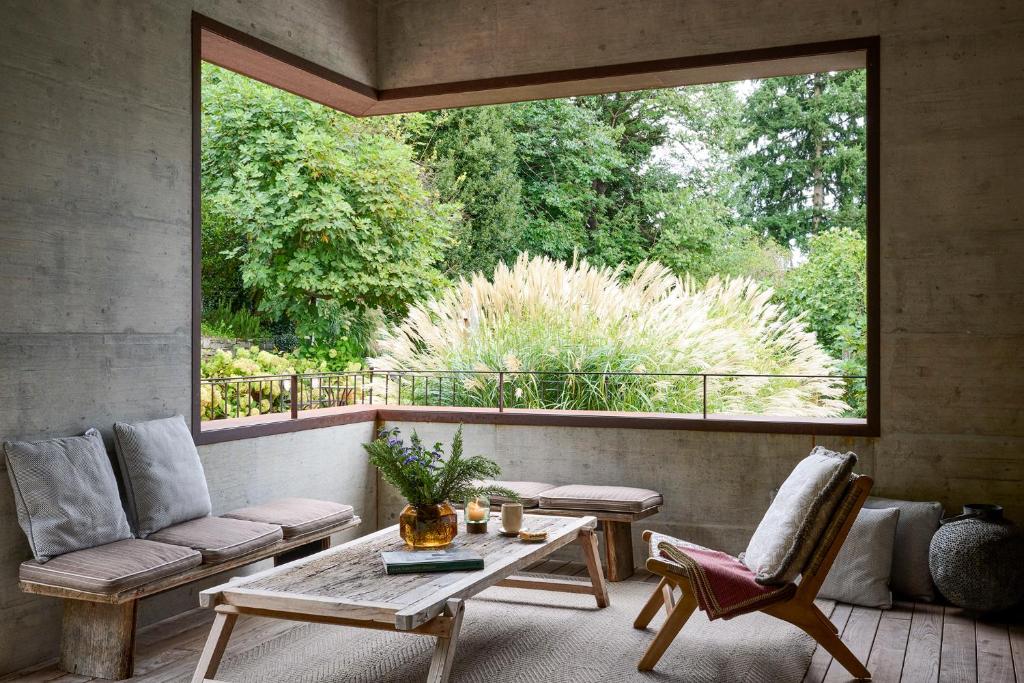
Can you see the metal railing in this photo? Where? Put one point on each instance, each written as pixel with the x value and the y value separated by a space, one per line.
pixel 235 397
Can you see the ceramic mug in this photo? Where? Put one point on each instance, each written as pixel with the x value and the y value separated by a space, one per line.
pixel 512 517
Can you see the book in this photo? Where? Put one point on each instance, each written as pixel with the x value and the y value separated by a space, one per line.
pixel 416 561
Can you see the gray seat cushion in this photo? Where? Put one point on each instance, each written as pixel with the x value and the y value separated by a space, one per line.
pixel 860 573
pixel 918 522
pixel 528 491
pixel 163 477
pixel 220 539
pixel 799 514
pixel 599 498
pixel 296 516
pixel 66 494
pixel 113 567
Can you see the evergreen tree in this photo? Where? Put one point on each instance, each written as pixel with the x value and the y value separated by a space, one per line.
pixel 804 166
pixel 473 161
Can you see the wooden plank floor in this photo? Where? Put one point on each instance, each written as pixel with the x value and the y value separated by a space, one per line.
pixel 913 643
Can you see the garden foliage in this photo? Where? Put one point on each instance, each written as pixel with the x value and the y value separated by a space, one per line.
pixel 540 319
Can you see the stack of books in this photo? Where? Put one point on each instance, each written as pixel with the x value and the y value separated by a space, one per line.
pixel 417 561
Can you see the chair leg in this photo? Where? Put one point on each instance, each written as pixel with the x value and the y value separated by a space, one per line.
pixel 652 606
pixel 814 623
pixel 829 640
pixel 676 620
pixel 668 597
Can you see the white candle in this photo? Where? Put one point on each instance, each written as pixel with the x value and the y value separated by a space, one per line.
pixel 475 512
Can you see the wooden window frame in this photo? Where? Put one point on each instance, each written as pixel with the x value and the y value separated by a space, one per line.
pixel 235 50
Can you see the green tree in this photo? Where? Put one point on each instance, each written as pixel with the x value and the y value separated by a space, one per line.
pixel 830 291
pixel 471 154
pixel 328 215
pixel 804 171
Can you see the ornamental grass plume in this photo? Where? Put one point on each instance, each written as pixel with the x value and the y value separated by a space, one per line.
pixel 576 336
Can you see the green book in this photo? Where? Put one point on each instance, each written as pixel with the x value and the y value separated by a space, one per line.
pixel 416 561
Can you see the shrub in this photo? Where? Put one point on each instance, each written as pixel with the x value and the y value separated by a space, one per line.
pixel 830 290
pixel 261 396
pixel 549 318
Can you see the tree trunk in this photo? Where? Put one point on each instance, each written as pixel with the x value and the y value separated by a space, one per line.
pixel 818 195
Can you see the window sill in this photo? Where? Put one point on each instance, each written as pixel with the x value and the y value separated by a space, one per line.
pixel 219 431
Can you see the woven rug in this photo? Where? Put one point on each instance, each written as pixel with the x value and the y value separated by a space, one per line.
pixel 515 635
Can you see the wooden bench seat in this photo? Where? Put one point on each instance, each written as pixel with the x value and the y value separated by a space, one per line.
pixel 615 507
pixel 98 632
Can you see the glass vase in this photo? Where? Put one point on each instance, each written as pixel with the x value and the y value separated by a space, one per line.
pixel 428 526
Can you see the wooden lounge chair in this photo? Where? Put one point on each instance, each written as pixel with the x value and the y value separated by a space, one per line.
pixel 791 603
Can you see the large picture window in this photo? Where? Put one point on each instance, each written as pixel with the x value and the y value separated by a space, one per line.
pixel 693 256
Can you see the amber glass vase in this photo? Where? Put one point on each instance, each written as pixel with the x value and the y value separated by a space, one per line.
pixel 428 526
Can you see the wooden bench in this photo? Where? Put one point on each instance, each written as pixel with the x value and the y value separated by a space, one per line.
pixel 98 631
pixel 615 520
pixel 617 528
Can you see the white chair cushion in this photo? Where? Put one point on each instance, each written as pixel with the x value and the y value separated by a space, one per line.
pixel 798 515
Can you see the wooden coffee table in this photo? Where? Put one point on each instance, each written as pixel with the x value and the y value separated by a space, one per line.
pixel 347 586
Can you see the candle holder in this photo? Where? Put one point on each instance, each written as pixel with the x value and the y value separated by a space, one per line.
pixel 478 512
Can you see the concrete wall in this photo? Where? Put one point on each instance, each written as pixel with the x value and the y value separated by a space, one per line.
pixel 95 236
pixel 952 224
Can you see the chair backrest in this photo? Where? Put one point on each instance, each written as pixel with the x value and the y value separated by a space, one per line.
pixel 832 539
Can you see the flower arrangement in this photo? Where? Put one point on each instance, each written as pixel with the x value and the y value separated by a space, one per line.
pixel 424 476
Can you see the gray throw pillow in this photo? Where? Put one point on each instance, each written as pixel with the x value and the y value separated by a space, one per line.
pixel 66 494
pixel 911 577
pixel 163 477
pixel 860 573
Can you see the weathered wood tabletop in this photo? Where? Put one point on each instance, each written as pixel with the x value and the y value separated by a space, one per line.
pixel 347 585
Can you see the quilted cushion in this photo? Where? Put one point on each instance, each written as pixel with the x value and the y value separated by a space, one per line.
pixel 528 491
pixel 113 567
pixel 163 477
pixel 296 516
pixel 220 539
pixel 860 573
pixel 918 522
pixel 66 494
pixel 798 515
pixel 599 498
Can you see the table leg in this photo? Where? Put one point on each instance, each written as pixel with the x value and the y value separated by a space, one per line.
pixel 444 652
pixel 216 642
pixel 588 539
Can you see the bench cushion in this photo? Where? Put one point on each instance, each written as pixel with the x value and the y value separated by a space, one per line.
pixel 220 539
pixel 528 491
pixel 66 494
pixel 296 516
pixel 113 567
pixel 163 478
pixel 599 498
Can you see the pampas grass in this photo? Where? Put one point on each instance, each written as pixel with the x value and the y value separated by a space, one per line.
pixel 540 319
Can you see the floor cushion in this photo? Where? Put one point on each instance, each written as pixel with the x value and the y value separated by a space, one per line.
pixel 599 498
pixel 220 539
pixel 861 571
pixel 163 477
pixel 65 493
pixel 295 516
pixel 918 522
pixel 790 529
pixel 528 491
pixel 113 567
